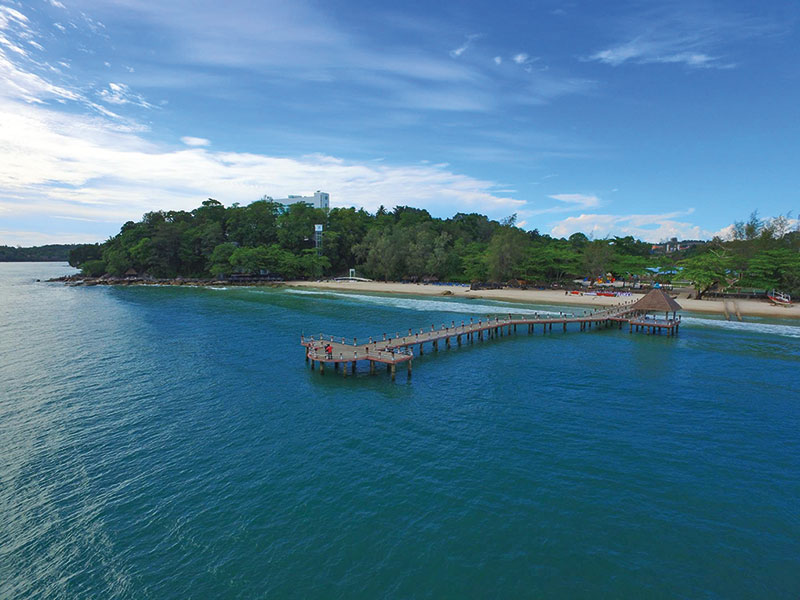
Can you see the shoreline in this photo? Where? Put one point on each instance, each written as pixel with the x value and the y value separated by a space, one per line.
pixel 747 308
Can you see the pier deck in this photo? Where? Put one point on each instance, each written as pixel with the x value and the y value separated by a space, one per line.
pixel 392 350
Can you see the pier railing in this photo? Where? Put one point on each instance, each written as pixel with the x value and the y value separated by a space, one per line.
pixel 393 348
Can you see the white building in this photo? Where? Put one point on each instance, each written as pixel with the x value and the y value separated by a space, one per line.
pixel 318 200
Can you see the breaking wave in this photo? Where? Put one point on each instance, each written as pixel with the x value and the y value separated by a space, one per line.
pixel 745 326
pixel 431 305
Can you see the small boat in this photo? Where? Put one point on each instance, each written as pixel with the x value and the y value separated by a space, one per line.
pixel 779 298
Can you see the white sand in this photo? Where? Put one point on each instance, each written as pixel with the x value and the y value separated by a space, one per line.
pixel 746 307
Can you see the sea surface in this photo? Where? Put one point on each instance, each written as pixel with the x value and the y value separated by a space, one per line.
pixel 161 442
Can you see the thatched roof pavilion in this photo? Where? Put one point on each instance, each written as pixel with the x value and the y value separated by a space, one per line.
pixel 656 300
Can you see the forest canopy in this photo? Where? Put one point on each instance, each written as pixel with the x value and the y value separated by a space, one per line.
pixel 407 243
pixel 48 253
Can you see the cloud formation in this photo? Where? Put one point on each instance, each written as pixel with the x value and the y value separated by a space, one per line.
pixel 195 141
pixel 577 200
pixel 120 93
pixel 463 47
pixel 78 167
pixel 648 227
pixel 693 35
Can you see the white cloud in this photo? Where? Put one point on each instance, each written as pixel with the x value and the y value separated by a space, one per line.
pixel 521 58
pixel 195 141
pixel 498 60
pixel 569 202
pixel 577 200
pixel 688 36
pixel 28 86
pixel 463 47
pixel 120 93
pixel 647 227
pixel 644 52
pixel 726 233
pixel 84 168
pixel 56 4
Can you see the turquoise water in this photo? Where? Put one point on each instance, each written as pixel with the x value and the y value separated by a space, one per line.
pixel 173 443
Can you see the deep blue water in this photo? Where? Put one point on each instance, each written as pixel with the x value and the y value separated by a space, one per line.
pixel 173 443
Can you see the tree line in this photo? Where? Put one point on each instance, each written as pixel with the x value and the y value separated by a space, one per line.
pixel 407 243
pixel 48 253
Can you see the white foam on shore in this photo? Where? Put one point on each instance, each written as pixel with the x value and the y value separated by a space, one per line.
pixel 431 305
pixel 745 326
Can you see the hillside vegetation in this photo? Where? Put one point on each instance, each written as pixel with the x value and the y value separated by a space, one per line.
pixel 407 243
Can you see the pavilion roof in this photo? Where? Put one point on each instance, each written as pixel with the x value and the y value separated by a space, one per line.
pixel 656 300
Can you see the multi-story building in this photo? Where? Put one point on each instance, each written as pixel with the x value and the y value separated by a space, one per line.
pixel 673 245
pixel 318 200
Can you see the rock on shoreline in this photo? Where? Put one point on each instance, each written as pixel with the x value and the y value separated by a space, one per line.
pixel 81 280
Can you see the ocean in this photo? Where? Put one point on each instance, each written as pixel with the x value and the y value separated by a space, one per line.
pixel 168 442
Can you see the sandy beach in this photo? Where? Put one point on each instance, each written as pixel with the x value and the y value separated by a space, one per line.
pixel 753 308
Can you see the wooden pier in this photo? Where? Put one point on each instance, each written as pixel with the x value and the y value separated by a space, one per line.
pixel 326 351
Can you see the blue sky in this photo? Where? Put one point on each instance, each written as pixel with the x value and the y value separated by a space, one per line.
pixel 654 119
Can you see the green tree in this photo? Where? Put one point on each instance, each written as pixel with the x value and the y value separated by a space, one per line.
pixel 84 252
pixel 598 256
pixel 220 259
pixel 705 270
pixel 93 268
pixel 296 226
pixel 506 251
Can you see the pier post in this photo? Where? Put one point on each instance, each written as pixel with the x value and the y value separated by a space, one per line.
pixel 321 367
pixel 393 371
pixel 312 364
pixel 354 366
pixel 551 326
pixel 344 369
pixel 458 340
pixel 565 326
pixel 447 342
pixel 436 345
pixel 409 368
pixel 372 367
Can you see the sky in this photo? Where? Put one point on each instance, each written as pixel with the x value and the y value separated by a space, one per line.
pixel 651 119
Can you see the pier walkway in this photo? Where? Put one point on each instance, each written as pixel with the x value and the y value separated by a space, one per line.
pixel 392 350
